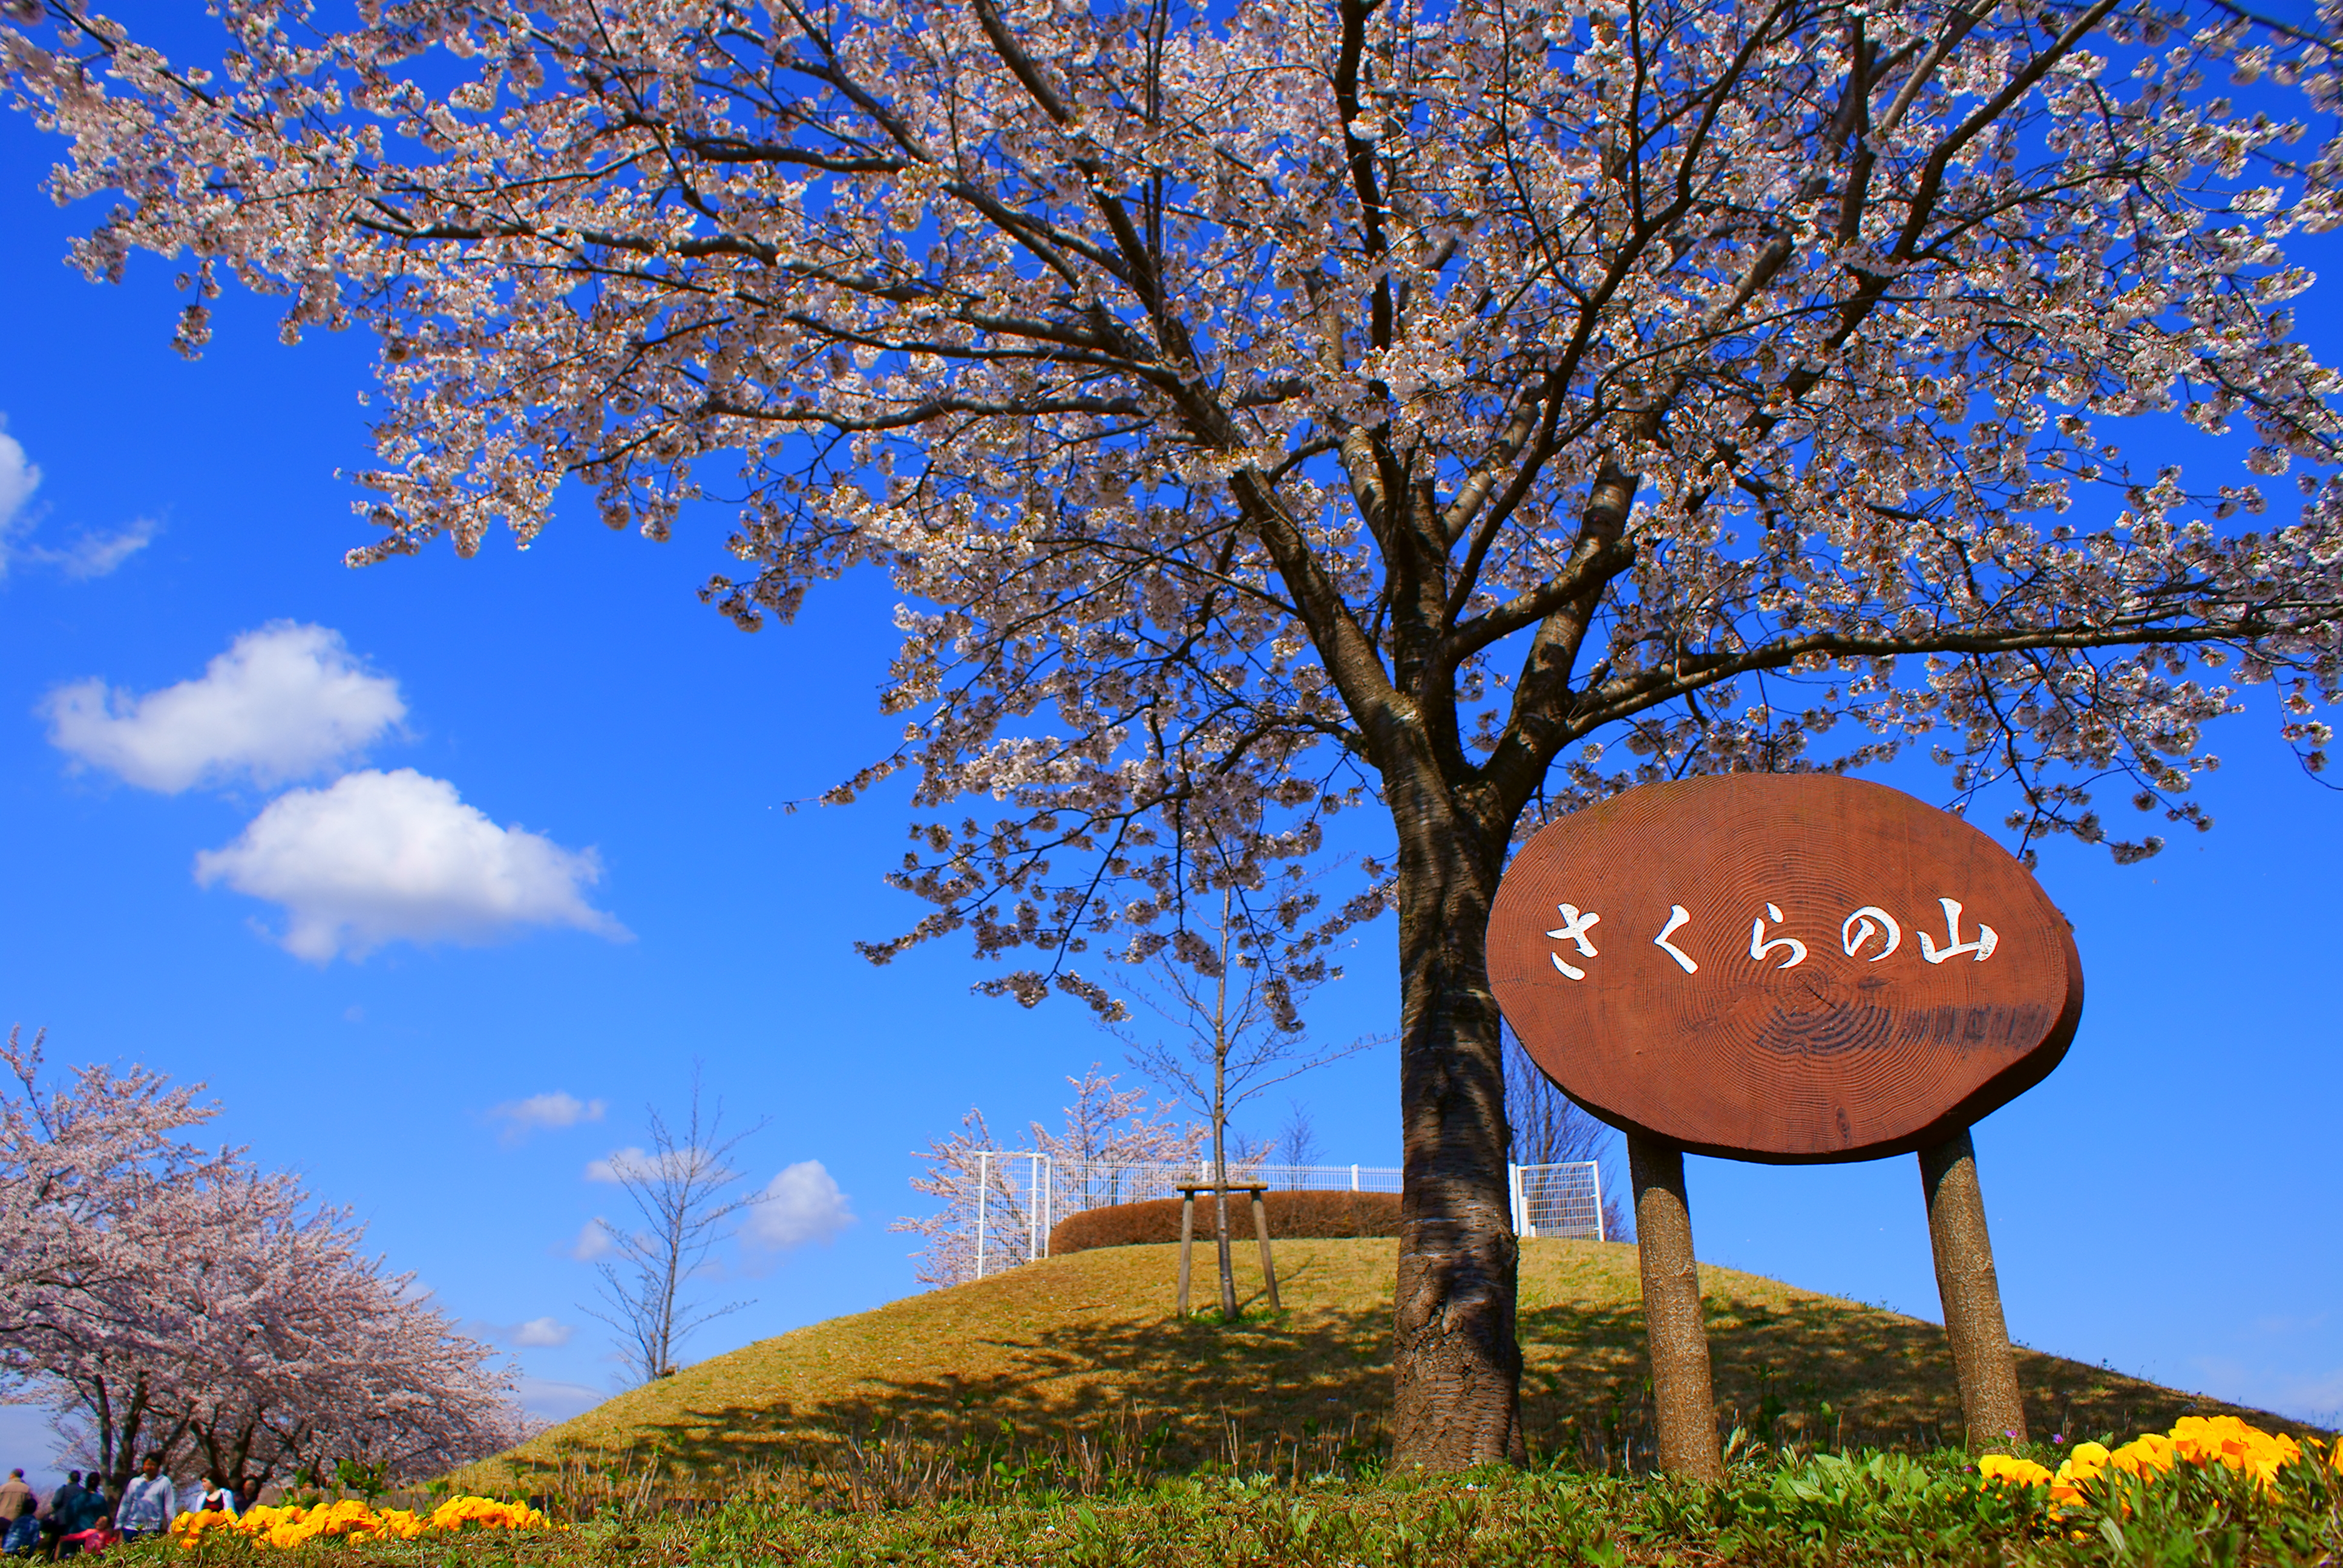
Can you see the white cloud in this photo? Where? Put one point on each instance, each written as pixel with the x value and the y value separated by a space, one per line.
pixel 19 480
pixel 550 1401
pixel 592 1242
pixel 89 555
pixel 540 1334
pixel 802 1204
pixel 96 555
pixel 379 857
pixel 619 1165
pixel 553 1109
pixel 283 702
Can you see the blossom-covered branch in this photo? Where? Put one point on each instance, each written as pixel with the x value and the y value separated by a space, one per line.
pixel 1463 408
pixel 168 1300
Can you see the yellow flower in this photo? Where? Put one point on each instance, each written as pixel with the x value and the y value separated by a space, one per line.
pixel 2083 1464
pixel 289 1526
pixel 2150 1452
pixel 2225 1440
pixel 2012 1470
pixel 187 1529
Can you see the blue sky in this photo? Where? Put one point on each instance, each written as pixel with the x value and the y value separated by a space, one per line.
pixel 624 759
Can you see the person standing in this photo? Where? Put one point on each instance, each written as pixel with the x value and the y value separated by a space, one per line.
pixel 61 1515
pixel 20 1523
pixel 92 1504
pixel 148 1502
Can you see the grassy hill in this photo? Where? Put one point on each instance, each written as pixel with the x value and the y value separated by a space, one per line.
pixel 1082 1355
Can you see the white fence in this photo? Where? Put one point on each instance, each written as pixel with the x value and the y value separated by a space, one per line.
pixel 1021 1195
pixel 1558 1200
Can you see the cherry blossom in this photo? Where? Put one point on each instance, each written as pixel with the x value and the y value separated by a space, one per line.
pixel 167 1299
pixel 1458 410
pixel 1105 1126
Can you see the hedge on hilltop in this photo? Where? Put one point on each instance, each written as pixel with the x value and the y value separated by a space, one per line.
pixel 1291 1216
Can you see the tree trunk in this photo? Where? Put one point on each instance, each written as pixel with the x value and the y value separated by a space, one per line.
pixel 1457 1366
pixel 1220 1237
pixel 1221 1127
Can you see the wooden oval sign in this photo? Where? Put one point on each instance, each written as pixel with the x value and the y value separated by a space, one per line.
pixel 1790 968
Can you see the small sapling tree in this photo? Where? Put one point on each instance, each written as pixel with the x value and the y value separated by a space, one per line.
pixel 687 1198
pixel 1548 1128
pixel 1230 996
pixel 1297 1136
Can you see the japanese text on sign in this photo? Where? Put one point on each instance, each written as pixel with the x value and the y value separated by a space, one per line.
pixel 1770 945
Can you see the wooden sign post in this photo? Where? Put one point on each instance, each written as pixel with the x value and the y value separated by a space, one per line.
pixel 1794 969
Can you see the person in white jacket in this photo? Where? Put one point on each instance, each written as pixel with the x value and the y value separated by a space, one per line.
pixel 148 1502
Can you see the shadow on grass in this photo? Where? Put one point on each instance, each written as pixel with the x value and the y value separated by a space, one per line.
pixel 1310 1388
pixel 1824 1373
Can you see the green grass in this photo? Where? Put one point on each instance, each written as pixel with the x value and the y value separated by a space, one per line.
pixel 1060 1416
pixel 1078 1368
pixel 1810 1510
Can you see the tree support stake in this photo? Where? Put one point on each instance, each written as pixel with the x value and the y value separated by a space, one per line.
pixel 1257 1190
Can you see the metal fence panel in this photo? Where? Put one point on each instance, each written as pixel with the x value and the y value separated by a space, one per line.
pixel 1012 1209
pixel 1021 1195
pixel 1559 1199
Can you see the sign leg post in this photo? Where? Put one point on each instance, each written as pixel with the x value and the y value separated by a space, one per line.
pixel 1268 1269
pixel 1684 1407
pixel 1187 1240
pixel 1990 1403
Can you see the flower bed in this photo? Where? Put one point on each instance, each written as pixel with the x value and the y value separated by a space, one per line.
pixel 350 1519
pixel 2207 1443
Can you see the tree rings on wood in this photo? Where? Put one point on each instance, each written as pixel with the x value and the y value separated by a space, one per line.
pixel 1790 968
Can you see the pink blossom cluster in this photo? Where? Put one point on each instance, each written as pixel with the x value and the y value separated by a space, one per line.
pixel 1253 408
pixel 1104 1126
pixel 165 1298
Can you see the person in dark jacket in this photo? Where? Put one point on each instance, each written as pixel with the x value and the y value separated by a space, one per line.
pixel 76 1518
pixel 93 1504
pixel 61 1512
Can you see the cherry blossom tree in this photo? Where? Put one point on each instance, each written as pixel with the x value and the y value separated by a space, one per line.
pixel 1457 410
pixel 95 1179
pixel 164 1299
pixel 297 1351
pixel 1105 1126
